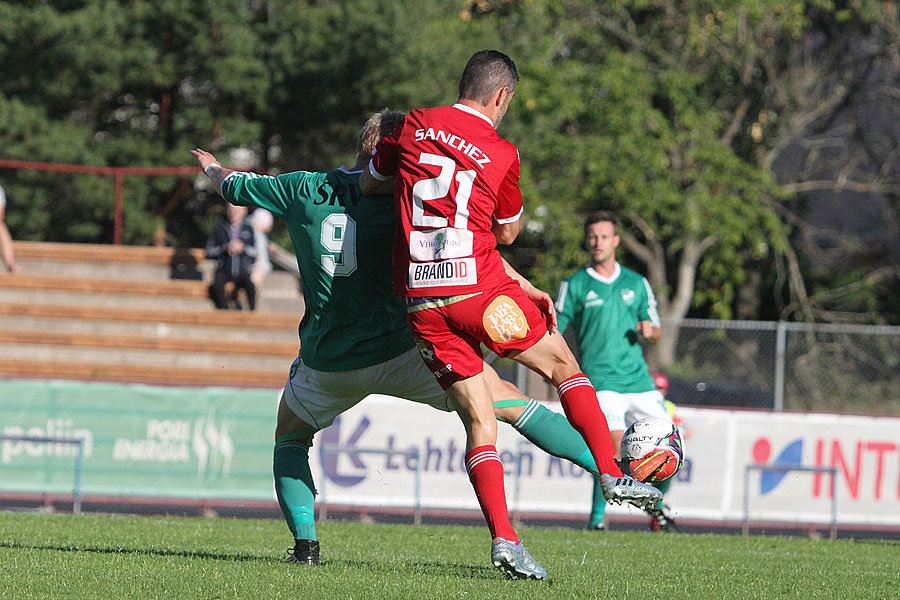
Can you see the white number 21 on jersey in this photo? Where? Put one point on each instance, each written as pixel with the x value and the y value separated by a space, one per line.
pixel 339 236
pixel 439 187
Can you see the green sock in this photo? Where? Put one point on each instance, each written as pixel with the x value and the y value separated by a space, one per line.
pixel 295 488
pixel 552 433
pixel 663 486
pixel 598 506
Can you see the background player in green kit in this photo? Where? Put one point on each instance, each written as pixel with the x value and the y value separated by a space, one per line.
pixel 354 338
pixel 609 308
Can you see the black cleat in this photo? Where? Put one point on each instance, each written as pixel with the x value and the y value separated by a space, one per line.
pixel 305 552
pixel 661 520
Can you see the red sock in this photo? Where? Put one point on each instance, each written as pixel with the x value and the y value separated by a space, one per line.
pixel 580 404
pixel 486 474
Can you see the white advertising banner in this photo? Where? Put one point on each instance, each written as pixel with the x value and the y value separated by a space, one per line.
pixel 385 434
pixel 863 450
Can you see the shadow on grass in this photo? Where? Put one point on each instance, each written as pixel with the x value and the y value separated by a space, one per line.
pixel 419 567
pixel 891 543
pixel 139 551
pixel 426 568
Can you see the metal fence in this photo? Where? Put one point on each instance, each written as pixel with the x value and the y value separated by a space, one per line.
pixel 61 441
pixel 776 365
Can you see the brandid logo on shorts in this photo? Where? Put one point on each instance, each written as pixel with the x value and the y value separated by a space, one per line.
pixel 442 273
pixel 504 320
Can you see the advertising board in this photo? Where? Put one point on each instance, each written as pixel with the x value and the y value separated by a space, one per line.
pixel 216 443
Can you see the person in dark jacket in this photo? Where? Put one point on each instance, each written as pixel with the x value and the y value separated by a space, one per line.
pixel 232 246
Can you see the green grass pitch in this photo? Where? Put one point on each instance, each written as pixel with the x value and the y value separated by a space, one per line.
pixel 103 556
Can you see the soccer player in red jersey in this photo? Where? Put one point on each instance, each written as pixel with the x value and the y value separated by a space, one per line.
pixel 456 196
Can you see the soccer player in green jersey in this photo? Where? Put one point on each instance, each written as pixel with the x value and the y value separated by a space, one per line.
pixel 609 308
pixel 354 339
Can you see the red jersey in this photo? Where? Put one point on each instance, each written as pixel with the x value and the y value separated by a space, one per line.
pixel 454 175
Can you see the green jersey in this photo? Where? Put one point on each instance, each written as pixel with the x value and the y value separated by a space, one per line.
pixel 343 243
pixel 604 313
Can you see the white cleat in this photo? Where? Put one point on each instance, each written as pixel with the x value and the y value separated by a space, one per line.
pixel 515 561
pixel 627 489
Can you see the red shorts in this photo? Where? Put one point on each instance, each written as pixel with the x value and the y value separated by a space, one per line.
pixel 449 335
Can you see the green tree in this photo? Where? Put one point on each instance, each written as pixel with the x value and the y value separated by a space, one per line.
pixel 704 123
pixel 278 84
pixel 613 121
pixel 666 112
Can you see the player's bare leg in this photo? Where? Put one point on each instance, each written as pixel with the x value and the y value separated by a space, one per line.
pixel 290 424
pixel 294 485
pixel 549 357
pixel 473 401
pixel 471 397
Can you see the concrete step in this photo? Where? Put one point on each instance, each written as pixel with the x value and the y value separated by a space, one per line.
pixel 100 252
pixel 280 282
pixel 163 295
pixel 166 375
pixel 97 312
pixel 57 337
pixel 139 358
pixel 108 327
pixel 96 261
pixel 66 283
pixel 268 302
pixel 94 269
pixel 104 299
pixel 226 318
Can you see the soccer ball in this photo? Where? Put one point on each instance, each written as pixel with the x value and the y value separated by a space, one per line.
pixel 653 449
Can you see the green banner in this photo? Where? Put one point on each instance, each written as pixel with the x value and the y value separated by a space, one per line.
pixel 198 443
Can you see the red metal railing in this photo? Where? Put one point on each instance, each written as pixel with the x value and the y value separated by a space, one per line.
pixel 118 174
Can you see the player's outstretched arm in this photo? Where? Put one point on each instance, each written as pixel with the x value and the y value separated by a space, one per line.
pixel 370 186
pixel 542 299
pixel 216 172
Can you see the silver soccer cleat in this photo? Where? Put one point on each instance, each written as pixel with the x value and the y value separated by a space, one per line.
pixel 627 489
pixel 514 560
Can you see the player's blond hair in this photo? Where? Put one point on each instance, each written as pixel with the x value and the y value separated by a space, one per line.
pixel 378 126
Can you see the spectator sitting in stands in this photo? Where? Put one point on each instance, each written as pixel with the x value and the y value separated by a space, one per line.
pixel 233 247
pixel 262 221
pixel 6 245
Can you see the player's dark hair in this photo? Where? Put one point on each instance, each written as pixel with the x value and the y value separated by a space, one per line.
pixel 485 73
pixel 599 216
pixel 379 125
